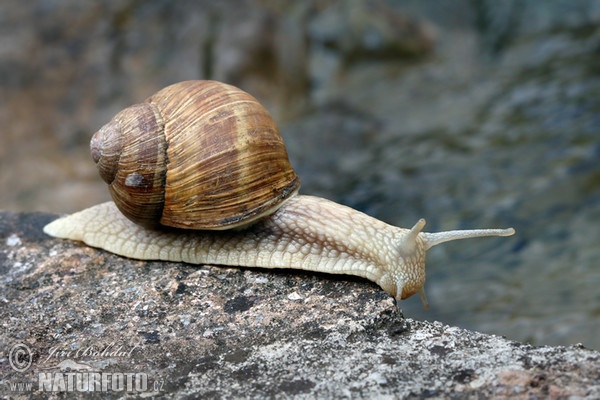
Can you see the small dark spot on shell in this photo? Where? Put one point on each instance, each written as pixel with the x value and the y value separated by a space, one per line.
pixel 134 180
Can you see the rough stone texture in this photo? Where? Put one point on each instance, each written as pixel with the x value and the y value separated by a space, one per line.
pixel 495 124
pixel 227 332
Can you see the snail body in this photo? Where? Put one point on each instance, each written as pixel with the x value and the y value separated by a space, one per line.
pixel 282 230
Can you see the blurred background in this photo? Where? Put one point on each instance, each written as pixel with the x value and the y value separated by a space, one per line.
pixel 470 113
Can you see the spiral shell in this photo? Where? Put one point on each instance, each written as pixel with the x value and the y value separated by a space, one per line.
pixel 195 155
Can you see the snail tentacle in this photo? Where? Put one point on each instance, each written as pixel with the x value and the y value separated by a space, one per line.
pixel 432 239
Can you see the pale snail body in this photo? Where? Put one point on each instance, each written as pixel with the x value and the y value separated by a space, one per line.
pixel 303 232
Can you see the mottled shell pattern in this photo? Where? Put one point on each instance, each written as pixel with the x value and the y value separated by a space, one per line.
pixel 195 155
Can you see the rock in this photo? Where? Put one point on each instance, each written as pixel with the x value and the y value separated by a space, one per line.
pixel 214 332
pixel 464 140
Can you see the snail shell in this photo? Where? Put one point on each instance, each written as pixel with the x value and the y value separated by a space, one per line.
pixel 195 155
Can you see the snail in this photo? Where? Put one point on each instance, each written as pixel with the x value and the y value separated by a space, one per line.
pixel 199 173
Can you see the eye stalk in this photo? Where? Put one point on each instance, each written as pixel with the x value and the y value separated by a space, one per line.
pixel 407 277
pixel 432 239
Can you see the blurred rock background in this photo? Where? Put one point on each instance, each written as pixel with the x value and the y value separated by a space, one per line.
pixel 470 113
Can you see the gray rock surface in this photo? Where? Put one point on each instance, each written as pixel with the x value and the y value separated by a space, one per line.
pixel 227 332
pixel 494 123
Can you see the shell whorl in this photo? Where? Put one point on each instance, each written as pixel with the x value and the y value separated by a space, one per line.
pixel 195 155
pixel 138 187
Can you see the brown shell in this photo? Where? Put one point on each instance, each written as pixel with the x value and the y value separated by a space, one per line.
pixel 195 155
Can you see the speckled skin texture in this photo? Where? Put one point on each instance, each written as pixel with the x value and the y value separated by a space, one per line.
pixel 307 233
pixel 292 238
